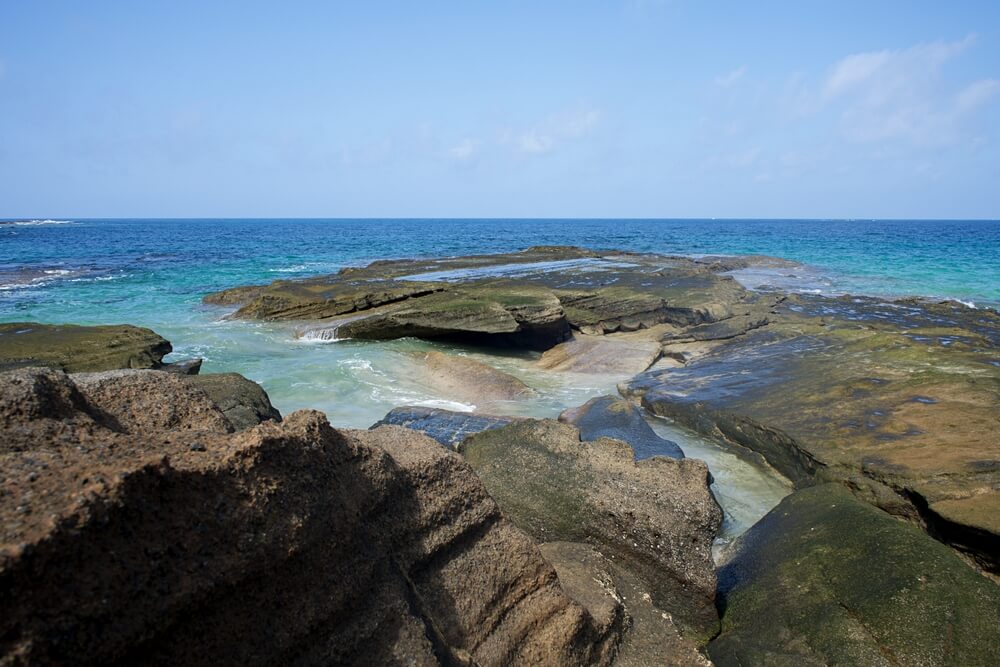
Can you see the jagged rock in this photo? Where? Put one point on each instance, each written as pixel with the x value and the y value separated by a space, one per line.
pixel 75 348
pixel 290 543
pixel 613 417
pixel 243 401
pixel 896 400
pixel 446 426
pixel 601 355
pixel 824 579
pixel 469 381
pixel 657 517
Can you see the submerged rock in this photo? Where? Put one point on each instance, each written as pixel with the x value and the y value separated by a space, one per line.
pixel 290 543
pixel 825 579
pixel 74 348
pixel 656 518
pixel 446 426
pixel 469 381
pixel 613 417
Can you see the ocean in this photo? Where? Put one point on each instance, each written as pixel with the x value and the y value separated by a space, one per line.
pixel 153 273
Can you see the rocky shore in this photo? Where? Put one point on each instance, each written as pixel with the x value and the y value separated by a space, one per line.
pixel 153 514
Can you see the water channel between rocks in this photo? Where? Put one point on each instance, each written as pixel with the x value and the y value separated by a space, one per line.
pixel 357 382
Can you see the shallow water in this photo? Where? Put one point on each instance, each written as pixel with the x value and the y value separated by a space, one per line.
pixel 745 490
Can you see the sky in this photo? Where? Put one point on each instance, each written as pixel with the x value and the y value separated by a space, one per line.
pixel 619 108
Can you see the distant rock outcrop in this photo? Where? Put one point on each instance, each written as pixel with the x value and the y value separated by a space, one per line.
pixel 531 299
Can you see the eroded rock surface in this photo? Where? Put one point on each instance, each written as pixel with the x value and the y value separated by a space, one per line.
pixel 75 348
pixel 825 579
pixel 898 401
pixel 289 543
pixel 656 518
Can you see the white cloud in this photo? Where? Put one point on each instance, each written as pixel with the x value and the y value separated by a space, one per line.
pixel 533 142
pixel 900 94
pixel 977 94
pixel 728 79
pixel 463 151
pixel 555 131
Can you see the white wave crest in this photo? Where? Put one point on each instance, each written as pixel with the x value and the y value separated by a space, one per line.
pixel 33 223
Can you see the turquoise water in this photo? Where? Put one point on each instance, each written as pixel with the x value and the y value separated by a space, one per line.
pixel 154 273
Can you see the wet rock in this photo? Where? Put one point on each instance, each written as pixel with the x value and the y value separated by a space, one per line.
pixel 656 517
pixel 470 381
pixel 243 401
pixel 290 543
pixel 446 426
pixel 825 391
pixel 825 579
pixel 613 417
pixel 74 348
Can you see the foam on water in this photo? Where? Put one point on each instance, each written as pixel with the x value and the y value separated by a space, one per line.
pixel 35 223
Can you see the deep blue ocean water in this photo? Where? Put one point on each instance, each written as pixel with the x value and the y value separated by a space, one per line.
pixel 154 273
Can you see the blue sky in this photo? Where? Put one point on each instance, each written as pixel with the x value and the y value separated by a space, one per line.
pixel 631 108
